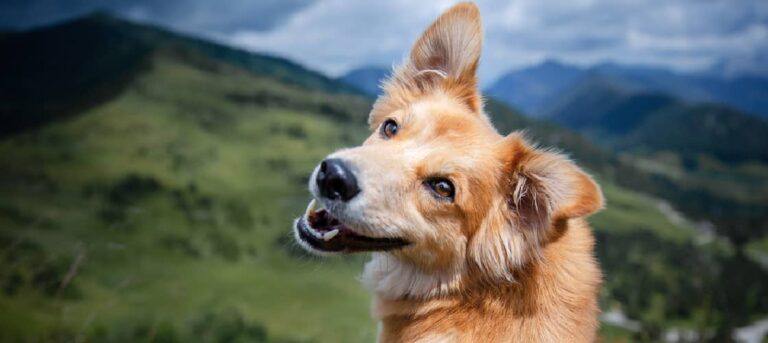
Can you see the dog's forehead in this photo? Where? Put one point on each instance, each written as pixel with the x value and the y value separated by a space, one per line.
pixel 443 137
pixel 441 120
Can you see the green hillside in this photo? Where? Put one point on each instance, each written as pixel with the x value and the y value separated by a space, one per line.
pixel 173 202
pixel 691 130
pixel 56 71
pixel 161 212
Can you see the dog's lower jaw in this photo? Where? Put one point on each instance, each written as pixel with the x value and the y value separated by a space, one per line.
pixel 388 277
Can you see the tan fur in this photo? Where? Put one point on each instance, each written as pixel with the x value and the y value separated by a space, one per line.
pixel 510 259
pixel 551 301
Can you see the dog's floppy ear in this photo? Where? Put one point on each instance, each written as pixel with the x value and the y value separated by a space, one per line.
pixel 541 191
pixel 446 55
pixel 543 187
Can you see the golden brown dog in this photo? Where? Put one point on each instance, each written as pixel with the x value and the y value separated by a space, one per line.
pixel 475 237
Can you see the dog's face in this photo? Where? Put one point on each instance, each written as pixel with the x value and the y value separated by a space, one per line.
pixel 435 187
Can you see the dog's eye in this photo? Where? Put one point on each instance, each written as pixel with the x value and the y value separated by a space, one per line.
pixel 442 188
pixel 389 128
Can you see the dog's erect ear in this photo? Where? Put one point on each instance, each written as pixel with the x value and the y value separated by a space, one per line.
pixel 541 191
pixel 447 55
pixel 451 45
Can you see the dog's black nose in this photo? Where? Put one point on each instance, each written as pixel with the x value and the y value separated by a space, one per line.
pixel 335 181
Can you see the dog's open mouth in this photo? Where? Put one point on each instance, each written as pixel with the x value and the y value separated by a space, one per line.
pixel 322 231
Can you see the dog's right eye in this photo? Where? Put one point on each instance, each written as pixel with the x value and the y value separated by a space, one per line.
pixel 441 188
pixel 389 128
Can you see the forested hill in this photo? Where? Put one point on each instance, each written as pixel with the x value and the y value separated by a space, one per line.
pixel 62 69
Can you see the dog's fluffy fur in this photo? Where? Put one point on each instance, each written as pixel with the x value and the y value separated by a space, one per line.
pixel 510 259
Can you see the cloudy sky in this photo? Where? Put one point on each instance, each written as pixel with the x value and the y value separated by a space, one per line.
pixel 334 36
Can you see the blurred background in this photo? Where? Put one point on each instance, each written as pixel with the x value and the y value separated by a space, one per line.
pixel 154 153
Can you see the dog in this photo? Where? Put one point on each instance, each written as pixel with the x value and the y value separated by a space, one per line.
pixel 474 236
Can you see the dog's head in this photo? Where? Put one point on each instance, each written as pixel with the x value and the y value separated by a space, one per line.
pixel 435 191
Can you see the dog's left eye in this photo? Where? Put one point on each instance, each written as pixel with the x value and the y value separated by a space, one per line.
pixel 389 128
pixel 442 188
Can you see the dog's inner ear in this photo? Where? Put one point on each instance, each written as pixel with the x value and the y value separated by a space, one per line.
pixel 447 55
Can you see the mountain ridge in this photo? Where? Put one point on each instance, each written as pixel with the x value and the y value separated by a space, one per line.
pixel 37 88
pixel 629 119
pixel 748 93
pixel 367 78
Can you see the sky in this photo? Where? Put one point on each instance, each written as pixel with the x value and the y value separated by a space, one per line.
pixel 334 36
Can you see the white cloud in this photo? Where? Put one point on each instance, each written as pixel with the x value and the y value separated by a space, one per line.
pixel 336 35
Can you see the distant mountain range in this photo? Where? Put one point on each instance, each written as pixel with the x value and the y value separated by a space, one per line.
pixel 368 79
pixel 534 88
pixel 629 119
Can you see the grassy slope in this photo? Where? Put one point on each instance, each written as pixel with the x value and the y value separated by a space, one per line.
pixel 253 157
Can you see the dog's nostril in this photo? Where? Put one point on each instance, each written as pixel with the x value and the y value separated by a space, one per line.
pixel 336 181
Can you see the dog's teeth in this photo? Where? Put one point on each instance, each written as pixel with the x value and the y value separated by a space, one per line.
pixel 311 207
pixel 330 234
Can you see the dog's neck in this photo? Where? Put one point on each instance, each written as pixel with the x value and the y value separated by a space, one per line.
pixel 564 281
pixel 388 277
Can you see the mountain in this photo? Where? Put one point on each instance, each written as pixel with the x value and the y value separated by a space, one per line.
pixel 583 102
pixel 157 207
pixel 534 87
pixel 691 130
pixel 744 92
pixel 628 119
pixel 366 79
pixel 531 89
pixel 748 64
pixel 44 75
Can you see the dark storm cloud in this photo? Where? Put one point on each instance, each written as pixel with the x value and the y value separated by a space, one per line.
pixel 202 16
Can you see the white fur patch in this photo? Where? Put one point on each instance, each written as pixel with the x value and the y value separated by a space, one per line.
pixel 388 277
pixel 439 338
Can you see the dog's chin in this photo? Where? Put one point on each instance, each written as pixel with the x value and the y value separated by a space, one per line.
pixel 318 231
